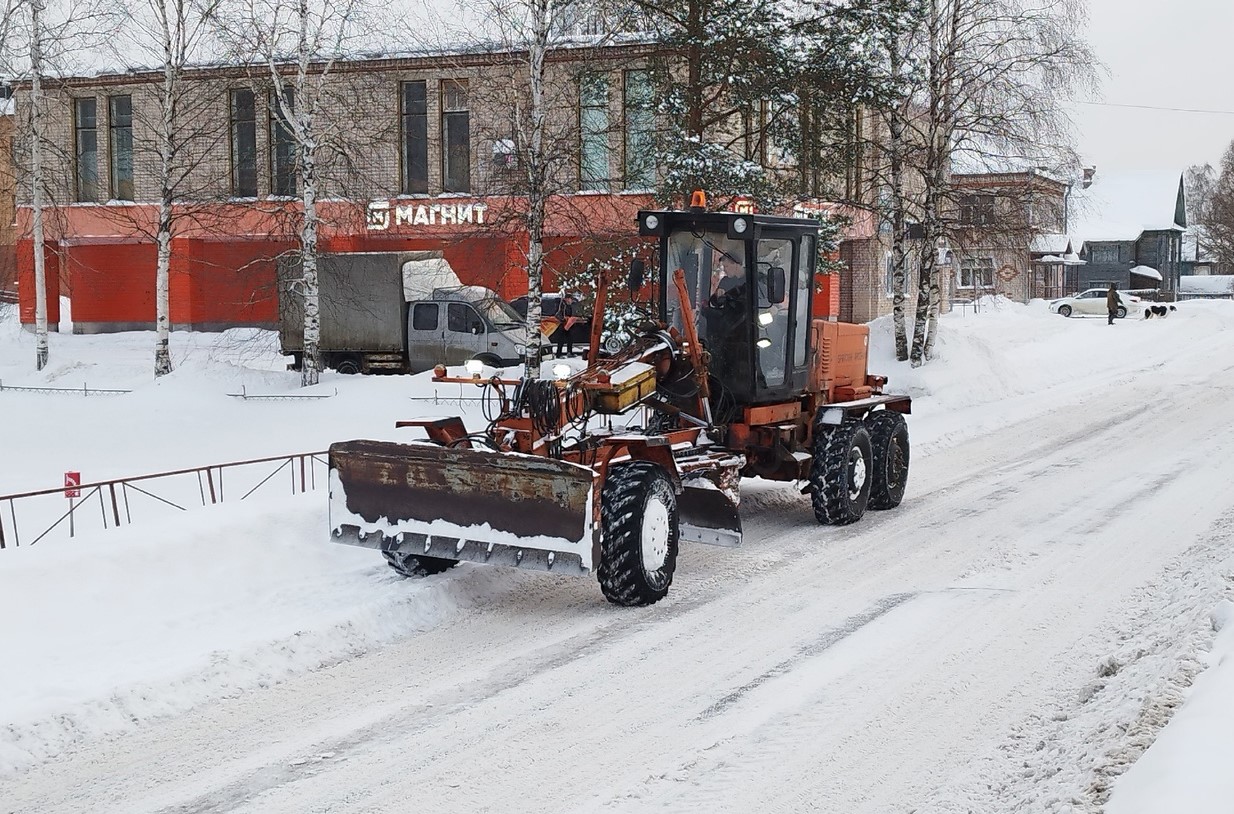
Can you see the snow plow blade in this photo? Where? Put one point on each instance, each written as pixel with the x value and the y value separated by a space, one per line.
pixel 463 504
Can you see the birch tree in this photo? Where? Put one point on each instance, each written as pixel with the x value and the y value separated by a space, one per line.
pixel 175 134
pixel 40 42
pixel 997 77
pixel 297 44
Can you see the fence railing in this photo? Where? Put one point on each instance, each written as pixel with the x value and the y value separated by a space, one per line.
pixel 27 518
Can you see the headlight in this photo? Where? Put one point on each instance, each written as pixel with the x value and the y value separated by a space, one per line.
pixel 763 343
pixel 765 318
pixel 475 367
pixel 519 350
pixel 740 225
pixel 561 371
pixel 651 222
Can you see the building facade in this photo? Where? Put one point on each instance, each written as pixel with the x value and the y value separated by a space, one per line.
pixel 1006 236
pixel 418 153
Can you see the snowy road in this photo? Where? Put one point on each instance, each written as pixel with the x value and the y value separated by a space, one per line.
pixel 926 659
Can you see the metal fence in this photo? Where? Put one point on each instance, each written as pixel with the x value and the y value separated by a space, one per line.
pixel 30 517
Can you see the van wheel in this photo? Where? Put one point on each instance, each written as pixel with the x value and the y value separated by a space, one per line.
pixel 488 359
pixel 347 365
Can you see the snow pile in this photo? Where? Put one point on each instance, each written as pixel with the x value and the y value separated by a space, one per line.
pixel 1187 767
pixel 1218 285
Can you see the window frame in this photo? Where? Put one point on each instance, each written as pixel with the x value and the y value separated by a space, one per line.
pixel 239 162
pixel 78 129
pixel 120 150
pixel 598 105
pixel 449 115
pixel 631 132
pixel 289 178
pixel 406 118
pixel 974 269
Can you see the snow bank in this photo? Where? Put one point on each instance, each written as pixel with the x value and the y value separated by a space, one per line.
pixel 1207 284
pixel 1188 766
pixel 124 627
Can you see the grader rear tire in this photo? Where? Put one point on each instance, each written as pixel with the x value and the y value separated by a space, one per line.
pixel 889 445
pixel 639 531
pixel 840 475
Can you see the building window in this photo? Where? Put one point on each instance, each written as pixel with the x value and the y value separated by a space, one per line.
pixel 243 144
pixel 977 272
pixel 414 113
pixel 282 147
pixel 640 170
pixel 455 136
pixel 85 119
pixel 1105 254
pixel 120 126
pixel 977 210
pixel 593 152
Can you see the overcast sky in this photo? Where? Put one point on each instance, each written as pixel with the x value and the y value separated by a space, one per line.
pixel 1177 54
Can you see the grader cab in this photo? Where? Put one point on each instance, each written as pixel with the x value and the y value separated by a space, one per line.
pixel 607 470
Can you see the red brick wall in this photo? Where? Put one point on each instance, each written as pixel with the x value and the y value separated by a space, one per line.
pixel 25 276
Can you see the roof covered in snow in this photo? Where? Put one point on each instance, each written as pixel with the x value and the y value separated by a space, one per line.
pixel 1206 284
pixel 1122 205
pixel 1059 244
pixel 1147 271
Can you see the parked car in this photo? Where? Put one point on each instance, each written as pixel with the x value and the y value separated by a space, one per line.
pixel 1092 303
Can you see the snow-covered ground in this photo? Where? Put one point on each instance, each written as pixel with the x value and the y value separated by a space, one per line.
pixel 1012 638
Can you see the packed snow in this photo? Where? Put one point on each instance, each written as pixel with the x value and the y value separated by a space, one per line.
pixel 146 643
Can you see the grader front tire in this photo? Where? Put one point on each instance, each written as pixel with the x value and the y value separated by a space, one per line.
pixel 840 475
pixel 639 532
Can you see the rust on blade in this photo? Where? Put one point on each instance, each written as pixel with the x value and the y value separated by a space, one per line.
pixel 521 495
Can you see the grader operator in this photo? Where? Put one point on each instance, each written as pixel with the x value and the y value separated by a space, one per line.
pixel 607 470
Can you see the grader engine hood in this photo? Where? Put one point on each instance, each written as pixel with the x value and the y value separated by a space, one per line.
pixel 463 504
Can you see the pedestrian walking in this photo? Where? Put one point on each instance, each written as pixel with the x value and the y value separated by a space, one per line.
pixel 1112 303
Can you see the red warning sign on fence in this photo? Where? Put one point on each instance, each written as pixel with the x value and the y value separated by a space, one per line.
pixel 72 480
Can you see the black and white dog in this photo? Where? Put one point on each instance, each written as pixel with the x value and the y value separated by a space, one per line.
pixel 1160 311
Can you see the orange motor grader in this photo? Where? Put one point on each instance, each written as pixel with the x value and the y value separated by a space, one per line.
pixel 606 470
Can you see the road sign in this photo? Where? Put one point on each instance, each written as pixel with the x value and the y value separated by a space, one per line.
pixel 72 480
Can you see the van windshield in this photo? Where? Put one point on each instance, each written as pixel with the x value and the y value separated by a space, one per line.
pixel 499 314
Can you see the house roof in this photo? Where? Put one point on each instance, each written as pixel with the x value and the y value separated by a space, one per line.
pixel 1055 243
pixel 1147 271
pixel 1123 205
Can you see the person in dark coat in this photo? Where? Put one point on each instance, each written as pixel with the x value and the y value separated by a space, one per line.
pixel 562 336
pixel 1112 303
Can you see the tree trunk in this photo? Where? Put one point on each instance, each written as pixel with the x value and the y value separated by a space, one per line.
pixel 899 259
pixel 309 371
pixel 536 187
pixel 36 182
pixel 162 304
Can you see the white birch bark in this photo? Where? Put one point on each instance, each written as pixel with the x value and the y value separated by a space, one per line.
pixel 36 183
pixel 542 17
pixel 163 236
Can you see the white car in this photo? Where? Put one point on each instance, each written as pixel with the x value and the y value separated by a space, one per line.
pixel 1092 303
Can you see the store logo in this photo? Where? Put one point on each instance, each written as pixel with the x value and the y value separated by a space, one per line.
pixel 382 215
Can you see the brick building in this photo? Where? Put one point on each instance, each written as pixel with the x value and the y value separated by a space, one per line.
pixel 419 157
pixel 1006 236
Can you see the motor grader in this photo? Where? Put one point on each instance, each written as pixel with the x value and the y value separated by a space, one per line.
pixel 606 470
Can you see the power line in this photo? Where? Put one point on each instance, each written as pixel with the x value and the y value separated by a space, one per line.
pixel 1154 107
